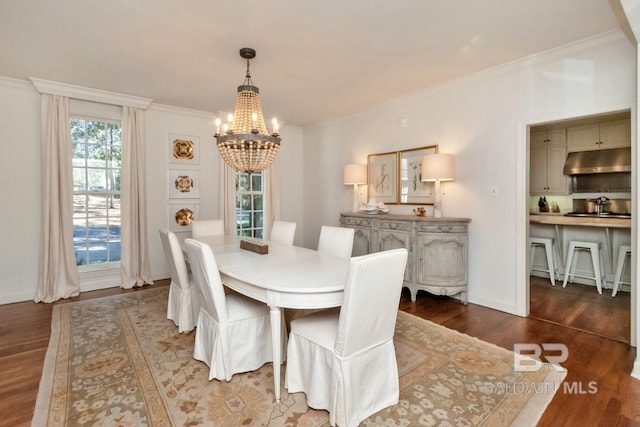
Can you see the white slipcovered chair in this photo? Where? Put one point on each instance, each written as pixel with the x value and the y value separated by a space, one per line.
pixel 233 333
pixel 336 241
pixel 207 227
pixel 283 232
pixel 184 299
pixel 345 361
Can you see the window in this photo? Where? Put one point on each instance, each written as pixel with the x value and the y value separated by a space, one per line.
pixel 97 150
pixel 249 204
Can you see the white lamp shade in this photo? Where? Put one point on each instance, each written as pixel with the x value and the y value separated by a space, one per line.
pixel 355 174
pixel 437 167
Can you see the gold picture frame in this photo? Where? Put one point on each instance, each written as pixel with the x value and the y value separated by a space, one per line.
pixel 411 189
pixel 382 177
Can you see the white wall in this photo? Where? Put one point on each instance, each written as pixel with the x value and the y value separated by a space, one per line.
pixel 20 189
pixel 20 173
pixel 482 120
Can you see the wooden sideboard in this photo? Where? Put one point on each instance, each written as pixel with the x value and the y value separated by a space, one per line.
pixel 437 248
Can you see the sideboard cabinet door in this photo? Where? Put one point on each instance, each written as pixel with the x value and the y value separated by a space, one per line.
pixel 363 235
pixel 442 260
pixel 395 235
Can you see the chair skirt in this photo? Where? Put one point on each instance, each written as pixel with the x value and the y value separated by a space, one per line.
pixel 183 307
pixel 241 343
pixel 351 389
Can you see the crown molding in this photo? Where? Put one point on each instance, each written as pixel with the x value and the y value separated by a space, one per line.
pixel 88 94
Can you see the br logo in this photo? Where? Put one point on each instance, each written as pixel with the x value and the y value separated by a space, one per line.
pixel 527 356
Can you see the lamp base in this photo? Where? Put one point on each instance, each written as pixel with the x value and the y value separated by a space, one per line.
pixel 356 202
pixel 437 204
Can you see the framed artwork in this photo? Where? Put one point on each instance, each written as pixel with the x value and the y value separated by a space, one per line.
pixel 382 177
pixel 184 150
pixel 412 190
pixel 183 184
pixel 181 215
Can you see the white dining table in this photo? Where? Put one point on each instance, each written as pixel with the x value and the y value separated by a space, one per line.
pixel 286 277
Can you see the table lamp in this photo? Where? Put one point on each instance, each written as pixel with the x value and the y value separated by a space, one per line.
pixel 437 168
pixel 355 174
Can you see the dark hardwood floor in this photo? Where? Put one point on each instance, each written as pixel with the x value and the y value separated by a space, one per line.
pixel 25 329
pixel 581 307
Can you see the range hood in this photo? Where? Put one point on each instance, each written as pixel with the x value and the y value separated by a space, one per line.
pixel 598 161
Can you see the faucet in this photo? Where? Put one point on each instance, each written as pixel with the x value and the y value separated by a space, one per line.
pixel 600 202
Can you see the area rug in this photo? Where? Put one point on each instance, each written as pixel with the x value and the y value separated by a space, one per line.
pixel 118 361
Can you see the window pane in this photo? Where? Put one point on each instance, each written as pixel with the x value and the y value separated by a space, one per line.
pixel 256 182
pixel 257 219
pixel 79 179
pixel 257 202
pixel 249 204
pixel 96 183
pixel 242 182
pixel 245 202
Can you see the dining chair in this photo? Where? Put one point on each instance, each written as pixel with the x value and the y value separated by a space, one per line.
pixel 283 232
pixel 344 360
pixel 207 227
pixel 184 299
pixel 233 332
pixel 337 241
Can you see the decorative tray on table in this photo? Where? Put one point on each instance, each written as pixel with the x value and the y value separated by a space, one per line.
pixel 254 246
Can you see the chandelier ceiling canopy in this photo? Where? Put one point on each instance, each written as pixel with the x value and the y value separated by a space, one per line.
pixel 244 143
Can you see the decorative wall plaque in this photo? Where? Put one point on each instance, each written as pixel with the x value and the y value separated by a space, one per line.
pixel 184 149
pixel 181 215
pixel 183 184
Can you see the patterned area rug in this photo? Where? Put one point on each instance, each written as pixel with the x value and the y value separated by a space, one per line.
pixel 118 361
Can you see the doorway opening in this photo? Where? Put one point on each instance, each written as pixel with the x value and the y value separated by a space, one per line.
pixel 554 192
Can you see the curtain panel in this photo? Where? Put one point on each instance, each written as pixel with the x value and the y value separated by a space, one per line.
pixel 57 274
pixel 134 262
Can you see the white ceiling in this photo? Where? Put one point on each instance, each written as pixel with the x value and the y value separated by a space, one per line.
pixel 316 60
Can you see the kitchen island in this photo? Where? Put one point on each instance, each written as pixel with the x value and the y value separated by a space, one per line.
pixel 609 232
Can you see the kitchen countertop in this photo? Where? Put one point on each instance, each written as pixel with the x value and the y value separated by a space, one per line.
pixel 560 219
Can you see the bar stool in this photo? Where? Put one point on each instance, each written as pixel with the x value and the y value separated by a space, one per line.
pixel 572 258
pixel 623 250
pixel 547 244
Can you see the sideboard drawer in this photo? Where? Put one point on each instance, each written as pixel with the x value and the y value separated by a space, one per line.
pixel 442 228
pixel 358 222
pixel 394 225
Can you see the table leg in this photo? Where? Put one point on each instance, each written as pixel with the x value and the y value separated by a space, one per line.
pixel 276 336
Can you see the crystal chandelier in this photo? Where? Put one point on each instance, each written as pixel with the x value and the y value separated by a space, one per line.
pixel 245 144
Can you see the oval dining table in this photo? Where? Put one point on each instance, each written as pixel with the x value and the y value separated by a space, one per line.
pixel 286 277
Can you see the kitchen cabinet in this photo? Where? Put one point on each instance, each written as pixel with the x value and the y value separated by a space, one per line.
pixel 599 136
pixel 437 247
pixel 548 152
